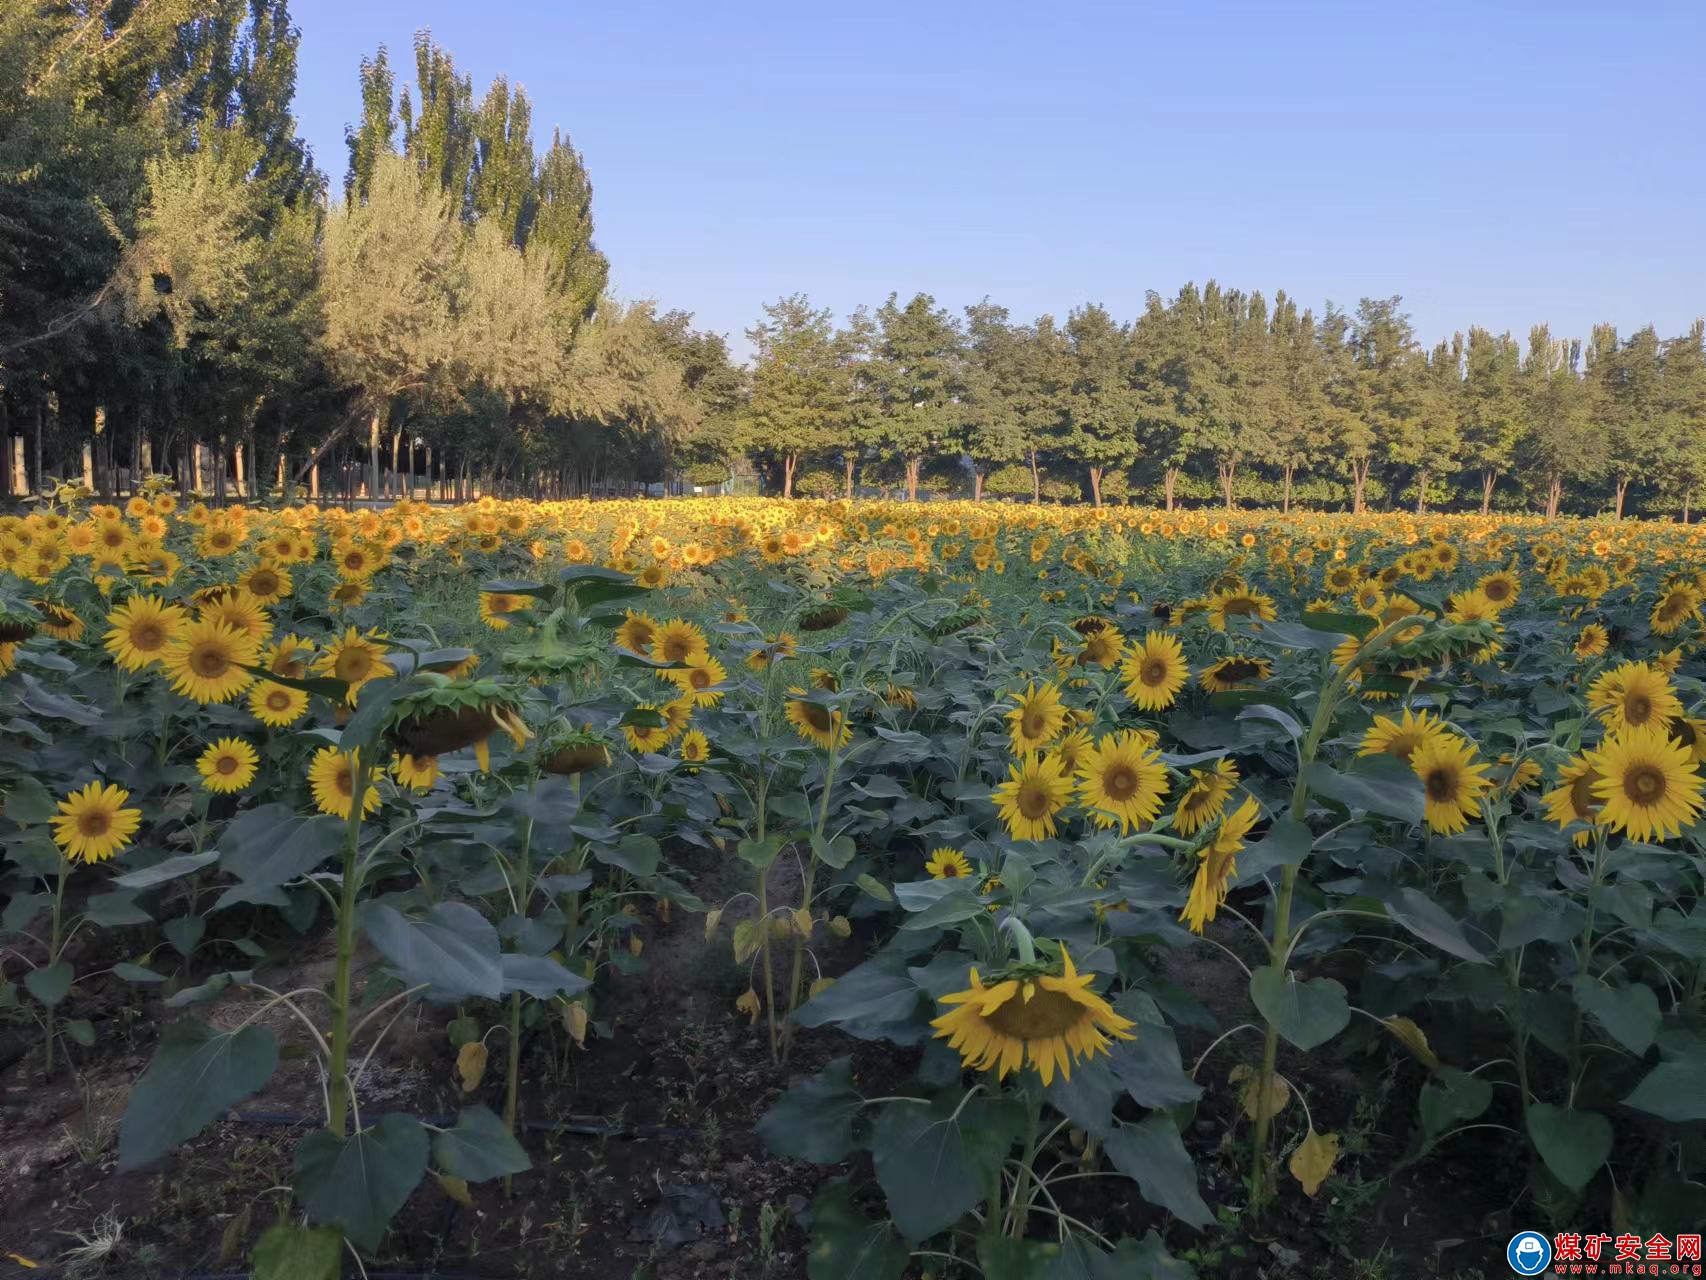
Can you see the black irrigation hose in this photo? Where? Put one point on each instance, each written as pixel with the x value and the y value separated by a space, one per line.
pixel 584 1128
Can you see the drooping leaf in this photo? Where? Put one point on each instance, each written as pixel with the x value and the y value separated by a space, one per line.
pixel 1305 1013
pixel 935 1161
pixel 453 950
pixel 1378 784
pixel 539 976
pixel 1674 1091
pixel 1152 1155
pixel 197 1075
pixel 359 1181
pixel 169 869
pixel 275 844
pixel 636 854
pixel 1313 1161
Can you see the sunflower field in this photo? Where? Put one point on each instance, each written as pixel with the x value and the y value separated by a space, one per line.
pixel 739 887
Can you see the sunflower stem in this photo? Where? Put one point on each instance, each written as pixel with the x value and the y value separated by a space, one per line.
pixel 338 1102
pixel 1018 1213
pixel 55 942
pixel 1021 939
pixel 811 882
pixel 512 1079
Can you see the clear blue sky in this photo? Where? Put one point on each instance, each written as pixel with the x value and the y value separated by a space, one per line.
pixel 1495 162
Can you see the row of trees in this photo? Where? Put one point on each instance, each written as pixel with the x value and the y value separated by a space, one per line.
pixel 173 275
pixel 1215 383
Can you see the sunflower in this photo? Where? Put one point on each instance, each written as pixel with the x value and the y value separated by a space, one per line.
pixel 695 749
pixel 678 641
pixel 1101 648
pixel 1072 748
pixel 240 610
pixel 1452 782
pixel 331 775
pixel 140 630
pixel 1634 695
pixel 647 737
pixel 1674 607
pixel 822 726
pixel 1235 673
pixel 1037 719
pixel 1122 780
pixel 898 695
pixel 1690 731
pixel 1573 799
pixel 1593 641
pixel 267 583
pixel 636 633
pixel 93 824
pixel 947 864
pixel 227 765
pixel 495 606
pixel 825 679
pixel 58 621
pixel 1239 602
pixel 700 680
pixel 1217 863
pixel 1649 787
pixel 1154 671
pixel 355 659
pixel 276 705
pixel 1205 797
pixel 205 660
pixel 417 773
pixel 1036 789
pixel 1032 1016
pixel 1401 737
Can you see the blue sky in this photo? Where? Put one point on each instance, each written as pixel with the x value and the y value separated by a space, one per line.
pixel 1496 163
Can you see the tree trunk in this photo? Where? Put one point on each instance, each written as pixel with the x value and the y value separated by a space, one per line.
pixel 1421 491
pixel 41 476
pixel 1359 485
pixel 1554 493
pixel 395 479
pixel 1036 480
pixel 1170 484
pixel 1622 493
pixel 1687 494
pixel 1228 473
pixel 912 465
pixel 977 474
pixel 237 458
pixel 1288 471
pixel 1096 485
pixel 789 462
pixel 373 428
pixel 847 461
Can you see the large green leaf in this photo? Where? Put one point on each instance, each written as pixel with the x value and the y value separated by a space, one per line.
pixel 1630 1013
pixel 935 1161
pixel 847 1245
pixel 274 844
pixel 28 802
pixel 1452 1097
pixel 453 951
pixel 287 1251
pixel 197 1075
pixel 360 1181
pixel 636 854
pixel 876 1001
pixel 1674 1091
pixel 814 1120
pixel 1145 1259
pixel 1572 1143
pixel 49 983
pixel 538 976
pixel 169 869
pixel 1305 1013
pixel 1425 918
pixel 1379 784
pixel 1001 1258
pixel 1152 1155
pixel 478 1148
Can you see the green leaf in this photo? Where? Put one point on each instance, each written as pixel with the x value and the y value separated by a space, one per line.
pixel 359 1182
pixel 184 932
pixel 454 950
pixel 1000 1258
pixel 1572 1143
pixel 287 1251
pixel 846 1245
pixel 1152 1155
pixel 161 872
pixel 1286 844
pixel 49 983
pixel 636 854
pixel 216 984
pixel 136 973
pixel 274 844
pixel 114 910
pixel 1379 784
pixel 82 1031
pixel 1346 624
pixel 479 1148
pixel 322 686
pixel 875 888
pixel 836 853
pixel 760 854
pixel 1674 1091
pixel 538 976
pixel 1278 715
pixel 197 1075
pixel 28 802
pixel 1288 635
pixel 1452 1097
pixel 1147 1259
pixel 935 1162
pixel 878 1000
pixel 373 709
pixel 1305 1013
pixel 503 587
pixel 1629 1013
pixel 814 1120
pixel 1425 918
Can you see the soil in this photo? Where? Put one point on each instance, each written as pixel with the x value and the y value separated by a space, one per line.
pixel 653 1124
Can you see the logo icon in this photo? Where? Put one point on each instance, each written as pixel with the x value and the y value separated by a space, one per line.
pixel 1528 1253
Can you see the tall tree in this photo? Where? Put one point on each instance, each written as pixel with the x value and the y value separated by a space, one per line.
pixel 1683 410
pixel 438 132
pixel 918 371
pixel 504 166
pixel 1101 409
pixel 798 404
pixel 1494 417
pixel 376 135
pixel 1563 444
pixel 995 378
pixel 562 225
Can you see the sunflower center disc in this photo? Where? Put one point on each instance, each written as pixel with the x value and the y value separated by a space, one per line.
pixel 1639 708
pixel 1154 672
pixel 93 824
pixel 1033 801
pixel 1045 1014
pixel 1646 784
pixel 1120 782
pixel 1442 785
pixel 208 663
